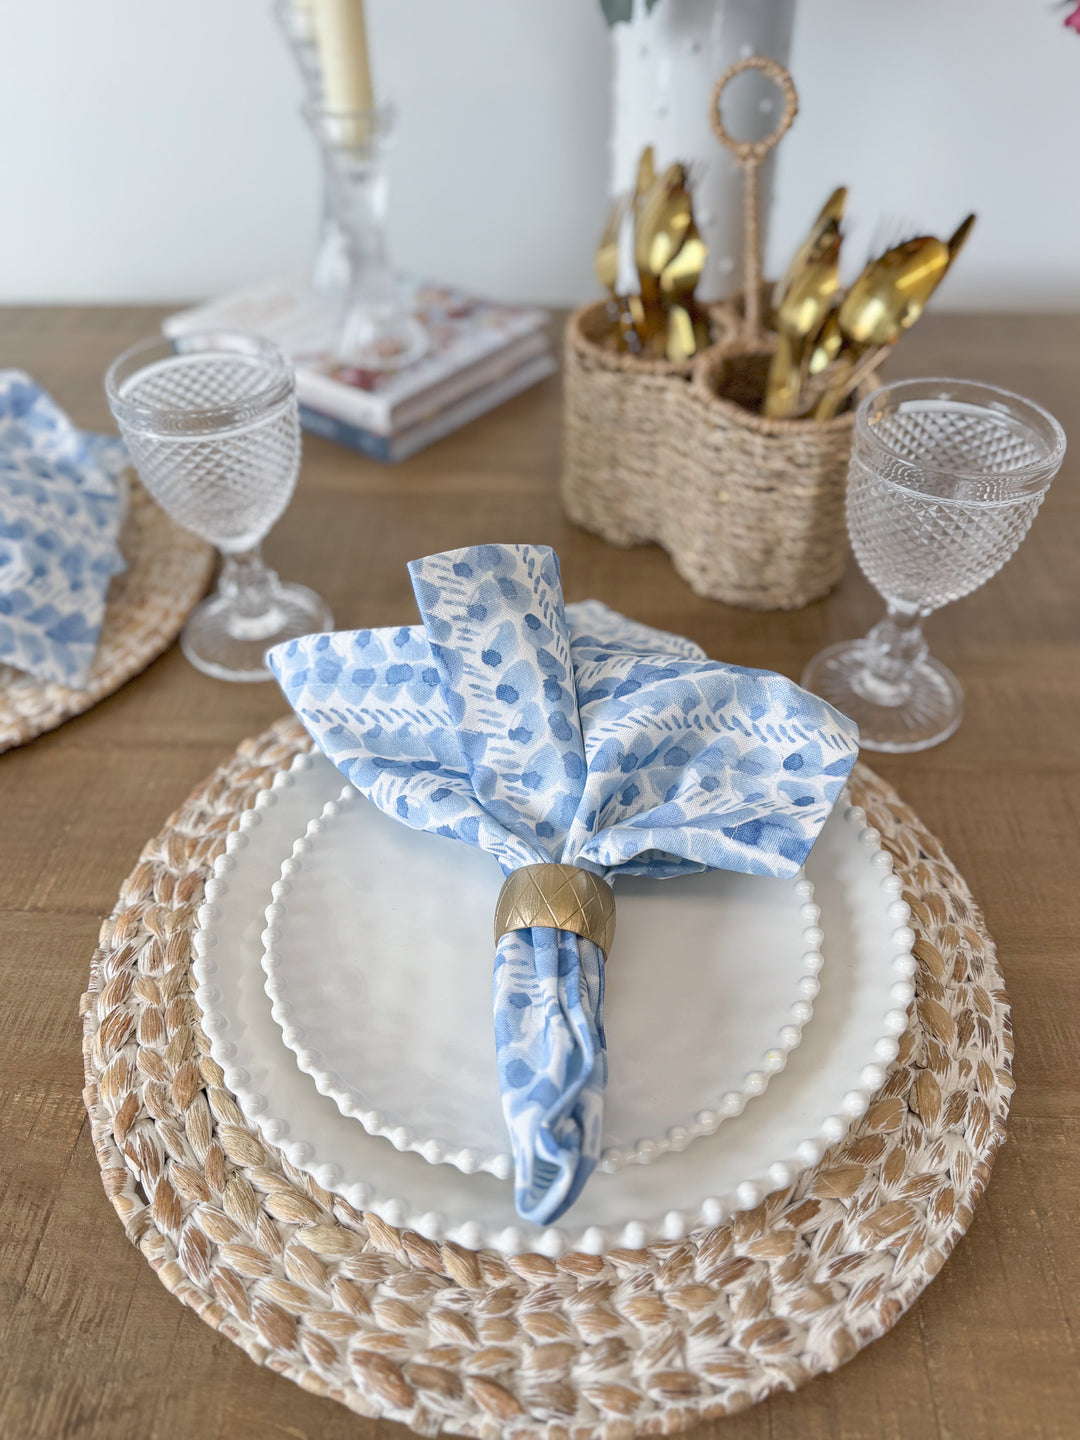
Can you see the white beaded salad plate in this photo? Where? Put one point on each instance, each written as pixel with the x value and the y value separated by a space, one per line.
pixel 859 1013
pixel 378 953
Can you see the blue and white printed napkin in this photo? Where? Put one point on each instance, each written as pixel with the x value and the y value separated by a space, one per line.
pixel 544 733
pixel 60 515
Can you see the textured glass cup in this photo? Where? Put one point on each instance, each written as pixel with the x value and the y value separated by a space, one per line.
pixel 212 426
pixel 377 332
pixel 946 477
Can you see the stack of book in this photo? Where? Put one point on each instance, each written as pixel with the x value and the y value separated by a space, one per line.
pixel 480 354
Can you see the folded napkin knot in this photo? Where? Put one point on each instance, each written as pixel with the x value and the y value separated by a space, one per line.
pixel 557 897
pixel 569 740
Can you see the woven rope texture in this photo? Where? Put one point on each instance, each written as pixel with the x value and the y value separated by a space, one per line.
pixel 647 1341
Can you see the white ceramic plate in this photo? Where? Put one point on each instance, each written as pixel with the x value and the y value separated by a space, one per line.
pixel 858 1015
pixel 378 953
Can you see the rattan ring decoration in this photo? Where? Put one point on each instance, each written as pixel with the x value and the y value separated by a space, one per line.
pixel 648 1341
pixel 748 156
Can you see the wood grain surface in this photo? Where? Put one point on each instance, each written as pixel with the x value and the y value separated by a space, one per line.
pixel 92 1346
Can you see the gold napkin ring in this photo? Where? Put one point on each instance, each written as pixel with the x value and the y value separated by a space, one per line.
pixel 557 897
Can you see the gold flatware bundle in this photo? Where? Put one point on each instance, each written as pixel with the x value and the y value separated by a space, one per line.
pixel 826 342
pixel 884 302
pixel 664 219
pixel 886 299
pixel 662 317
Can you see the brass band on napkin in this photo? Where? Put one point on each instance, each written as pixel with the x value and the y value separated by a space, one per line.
pixel 557 897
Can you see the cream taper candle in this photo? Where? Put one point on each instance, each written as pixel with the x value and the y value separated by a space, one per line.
pixel 343 52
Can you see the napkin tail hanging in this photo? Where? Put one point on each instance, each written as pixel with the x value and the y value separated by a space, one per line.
pixel 557 897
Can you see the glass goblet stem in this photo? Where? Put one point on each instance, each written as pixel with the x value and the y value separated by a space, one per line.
pixel 253 590
pixel 893 650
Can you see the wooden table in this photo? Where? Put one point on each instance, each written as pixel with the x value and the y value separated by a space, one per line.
pixel 92 1346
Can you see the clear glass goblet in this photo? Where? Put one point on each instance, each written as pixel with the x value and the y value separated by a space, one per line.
pixel 946 477
pixel 212 426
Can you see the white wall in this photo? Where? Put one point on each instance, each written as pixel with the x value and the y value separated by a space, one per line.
pixel 151 149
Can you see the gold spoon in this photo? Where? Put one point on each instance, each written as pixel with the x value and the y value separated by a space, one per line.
pixel 803 308
pixel 681 275
pixel 827 223
pixel 687 329
pixel 886 299
pixel 890 294
pixel 787 366
pixel 664 220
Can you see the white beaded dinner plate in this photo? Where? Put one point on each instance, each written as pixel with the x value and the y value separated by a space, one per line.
pixel 378 958
pixel 858 1015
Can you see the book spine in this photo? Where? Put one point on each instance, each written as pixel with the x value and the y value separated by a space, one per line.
pixel 331 397
pixel 391 449
pixel 353 437
pixel 468 382
pixel 471 408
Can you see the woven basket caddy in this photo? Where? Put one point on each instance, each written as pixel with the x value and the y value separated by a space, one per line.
pixel 616 427
pixel 754 510
pixel 750 510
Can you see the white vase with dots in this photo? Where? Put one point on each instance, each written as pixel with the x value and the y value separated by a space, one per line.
pixel 666 62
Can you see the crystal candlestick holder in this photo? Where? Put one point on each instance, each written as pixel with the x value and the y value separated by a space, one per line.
pixel 377 332
pixel 330 271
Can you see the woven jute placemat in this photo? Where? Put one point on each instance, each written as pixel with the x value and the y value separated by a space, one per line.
pixel 168 572
pixel 635 1341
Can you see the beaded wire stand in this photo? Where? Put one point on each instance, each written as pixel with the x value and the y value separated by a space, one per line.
pixel 167 575
pixel 441 1338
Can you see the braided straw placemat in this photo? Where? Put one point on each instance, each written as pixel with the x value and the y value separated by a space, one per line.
pixel 168 572
pixel 439 1337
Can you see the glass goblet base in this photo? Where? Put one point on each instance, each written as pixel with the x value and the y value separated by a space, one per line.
pixel 919 713
pixel 228 641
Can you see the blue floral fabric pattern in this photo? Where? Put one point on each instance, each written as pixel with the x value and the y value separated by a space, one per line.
pixel 542 732
pixel 60 516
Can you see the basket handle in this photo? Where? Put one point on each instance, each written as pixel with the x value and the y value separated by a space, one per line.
pixel 748 156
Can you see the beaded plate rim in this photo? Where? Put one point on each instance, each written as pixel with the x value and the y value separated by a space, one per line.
pixel 499 1162
pixel 395 1209
pixel 529 1346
